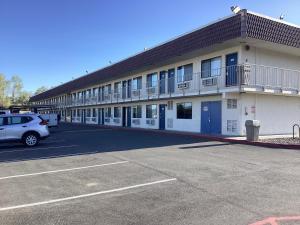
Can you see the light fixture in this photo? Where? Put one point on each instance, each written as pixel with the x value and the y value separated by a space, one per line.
pixel 281 17
pixel 235 9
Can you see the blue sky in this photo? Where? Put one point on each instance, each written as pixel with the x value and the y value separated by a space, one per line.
pixel 47 42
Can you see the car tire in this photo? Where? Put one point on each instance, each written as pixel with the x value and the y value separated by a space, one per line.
pixel 31 139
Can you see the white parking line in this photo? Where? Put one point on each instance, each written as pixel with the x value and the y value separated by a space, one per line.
pixel 62 170
pixel 33 149
pixel 78 131
pixel 86 195
pixel 52 157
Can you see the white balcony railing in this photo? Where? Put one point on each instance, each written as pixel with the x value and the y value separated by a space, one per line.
pixel 233 78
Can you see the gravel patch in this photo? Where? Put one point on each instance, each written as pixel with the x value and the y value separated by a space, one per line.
pixel 287 141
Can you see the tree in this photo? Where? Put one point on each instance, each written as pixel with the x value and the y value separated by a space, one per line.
pixel 23 98
pixel 4 99
pixel 40 90
pixel 16 85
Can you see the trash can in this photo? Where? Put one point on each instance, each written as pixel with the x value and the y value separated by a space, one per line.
pixel 252 130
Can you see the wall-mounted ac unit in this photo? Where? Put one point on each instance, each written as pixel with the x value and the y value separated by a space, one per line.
pixel 184 85
pixel 151 90
pixel 210 81
pixel 136 121
pixel 136 92
pixel 169 123
pixel 150 122
pixel 116 120
pixel 117 95
pixel 106 97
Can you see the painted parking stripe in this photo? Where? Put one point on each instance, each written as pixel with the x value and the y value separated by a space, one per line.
pixel 62 170
pixel 86 195
pixel 78 131
pixel 51 157
pixel 33 149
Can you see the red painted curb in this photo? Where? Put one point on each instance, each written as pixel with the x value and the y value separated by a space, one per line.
pixel 196 135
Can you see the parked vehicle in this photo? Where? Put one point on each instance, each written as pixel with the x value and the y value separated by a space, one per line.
pixel 4 112
pixel 52 119
pixel 26 128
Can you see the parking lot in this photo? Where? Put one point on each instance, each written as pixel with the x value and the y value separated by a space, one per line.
pixel 95 175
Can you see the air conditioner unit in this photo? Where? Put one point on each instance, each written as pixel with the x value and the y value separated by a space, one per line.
pixel 169 123
pixel 151 90
pixel 136 121
pixel 106 97
pixel 136 92
pixel 210 81
pixel 184 85
pixel 107 120
pixel 116 95
pixel 116 120
pixel 150 122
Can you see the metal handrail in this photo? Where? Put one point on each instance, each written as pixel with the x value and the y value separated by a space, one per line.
pixel 296 125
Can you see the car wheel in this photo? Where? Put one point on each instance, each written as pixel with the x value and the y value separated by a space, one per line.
pixel 31 139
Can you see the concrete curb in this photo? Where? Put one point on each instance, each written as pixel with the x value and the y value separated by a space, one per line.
pixel 203 136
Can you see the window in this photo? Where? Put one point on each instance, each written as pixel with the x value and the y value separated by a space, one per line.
pixel 184 110
pixel 78 112
pixel 152 80
pixel 19 119
pixel 74 113
pixel 211 67
pixel 170 105
pixel 117 113
pixel 231 103
pixel 117 87
pixel 1 121
pixel 89 93
pixel 137 111
pixel 151 111
pixel 94 92
pixel 94 113
pixel 88 113
pixel 232 126
pixel 137 83
pixel 108 89
pixel 184 73
pixel 108 112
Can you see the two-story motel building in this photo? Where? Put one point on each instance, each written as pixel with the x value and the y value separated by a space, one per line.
pixel 211 80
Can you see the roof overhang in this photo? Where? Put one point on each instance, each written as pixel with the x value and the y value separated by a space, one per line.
pixel 239 28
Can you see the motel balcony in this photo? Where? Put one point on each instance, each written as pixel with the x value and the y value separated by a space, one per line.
pixel 239 78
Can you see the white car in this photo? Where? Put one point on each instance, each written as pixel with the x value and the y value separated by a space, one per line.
pixel 4 112
pixel 26 128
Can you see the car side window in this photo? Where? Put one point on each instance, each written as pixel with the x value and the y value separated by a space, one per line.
pixel 15 120
pixel 3 121
pixel 26 119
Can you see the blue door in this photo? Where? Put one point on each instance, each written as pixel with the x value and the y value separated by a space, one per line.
pixel 162 116
pixel 162 82
pixel 128 116
pixel 231 69
pixel 101 116
pixel 211 117
pixel 83 116
pixel 171 81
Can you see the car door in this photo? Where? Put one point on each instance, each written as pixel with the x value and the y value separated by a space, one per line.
pixel 2 128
